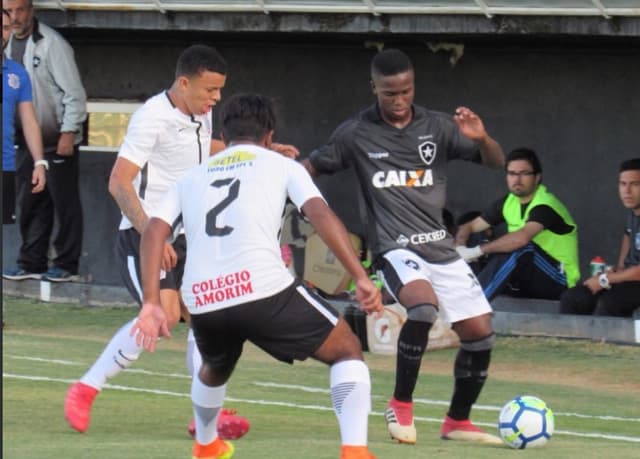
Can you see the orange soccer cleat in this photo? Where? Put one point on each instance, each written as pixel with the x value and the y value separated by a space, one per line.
pixel 218 449
pixel 230 425
pixel 355 452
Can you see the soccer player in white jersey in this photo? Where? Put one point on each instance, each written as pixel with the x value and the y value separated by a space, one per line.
pixel 167 136
pixel 236 285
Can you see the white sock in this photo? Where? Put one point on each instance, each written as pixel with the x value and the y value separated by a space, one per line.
pixel 207 402
pixel 351 397
pixel 119 354
pixel 194 359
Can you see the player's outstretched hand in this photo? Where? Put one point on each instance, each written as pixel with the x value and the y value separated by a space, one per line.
pixel 286 150
pixel 469 124
pixel 151 324
pixel 368 295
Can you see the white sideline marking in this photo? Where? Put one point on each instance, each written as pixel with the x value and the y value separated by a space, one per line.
pixel 298 406
pixel 72 363
pixel 323 390
pixel 425 401
pixel 38 359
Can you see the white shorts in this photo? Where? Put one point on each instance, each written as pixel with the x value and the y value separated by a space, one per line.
pixel 458 291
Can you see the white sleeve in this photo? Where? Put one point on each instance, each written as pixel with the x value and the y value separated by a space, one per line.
pixel 168 208
pixel 300 186
pixel 141 136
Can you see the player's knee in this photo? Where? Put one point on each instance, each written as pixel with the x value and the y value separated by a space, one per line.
pixel 352 348
pixel 341 344
pixel 485 343
pixel 426 313
pixel 215 373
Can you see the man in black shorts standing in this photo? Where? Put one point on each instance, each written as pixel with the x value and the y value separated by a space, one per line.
pixel 236 286
pixel 399 152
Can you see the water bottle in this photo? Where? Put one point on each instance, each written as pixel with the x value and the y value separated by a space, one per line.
pixel 597 265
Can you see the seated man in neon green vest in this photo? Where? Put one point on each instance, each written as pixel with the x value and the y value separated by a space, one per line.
pixel 538 256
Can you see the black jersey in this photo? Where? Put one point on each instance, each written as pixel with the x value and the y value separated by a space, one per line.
pixel 403 176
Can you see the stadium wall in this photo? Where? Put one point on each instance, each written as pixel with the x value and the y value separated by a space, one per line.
pixel 576 102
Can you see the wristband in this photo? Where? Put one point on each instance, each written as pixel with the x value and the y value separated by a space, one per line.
pixel 41 162
pixel 603 280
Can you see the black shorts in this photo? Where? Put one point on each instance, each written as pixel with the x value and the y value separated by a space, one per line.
pixel 290 325
pixel 8 198
pixel 128 260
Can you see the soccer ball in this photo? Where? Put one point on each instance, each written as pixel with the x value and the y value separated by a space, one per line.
pixel 525 422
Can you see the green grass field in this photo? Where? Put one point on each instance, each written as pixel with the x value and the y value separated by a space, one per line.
pixel 593 388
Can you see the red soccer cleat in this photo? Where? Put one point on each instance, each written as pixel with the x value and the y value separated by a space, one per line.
pixel 77 405
pixel 230 425
pixel 399 417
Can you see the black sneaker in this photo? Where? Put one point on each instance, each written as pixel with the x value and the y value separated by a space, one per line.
pixel 59 275
pixel 19 273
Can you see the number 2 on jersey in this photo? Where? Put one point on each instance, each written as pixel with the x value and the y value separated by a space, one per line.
pixel 212 228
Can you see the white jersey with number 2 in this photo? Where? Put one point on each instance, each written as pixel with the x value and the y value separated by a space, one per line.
pixel 231 207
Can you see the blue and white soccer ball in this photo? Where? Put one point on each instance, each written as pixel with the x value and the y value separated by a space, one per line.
pixel 525 422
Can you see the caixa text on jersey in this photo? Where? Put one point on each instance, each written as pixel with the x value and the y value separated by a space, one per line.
pixel 411 179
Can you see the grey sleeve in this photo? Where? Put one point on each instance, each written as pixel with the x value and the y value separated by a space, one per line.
pixel 63 69
pixel 335 154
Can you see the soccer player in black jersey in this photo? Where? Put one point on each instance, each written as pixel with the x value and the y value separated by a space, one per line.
pixel 399 152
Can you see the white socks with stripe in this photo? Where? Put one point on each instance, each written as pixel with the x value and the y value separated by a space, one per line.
pixel 207 402
pixel 119 354
pixel 351 397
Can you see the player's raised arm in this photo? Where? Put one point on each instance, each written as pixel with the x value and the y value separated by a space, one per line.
pixel 472 127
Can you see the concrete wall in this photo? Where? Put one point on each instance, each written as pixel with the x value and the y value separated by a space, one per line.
pixel 577 104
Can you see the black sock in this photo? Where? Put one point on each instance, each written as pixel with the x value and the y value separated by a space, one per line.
pixel 470 371
pixel 412 343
